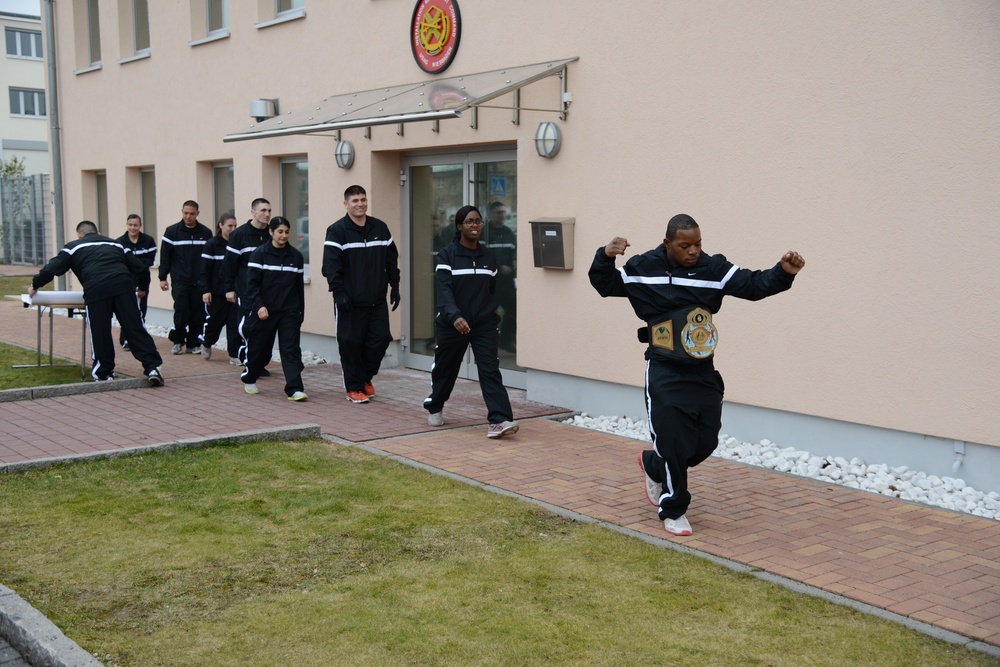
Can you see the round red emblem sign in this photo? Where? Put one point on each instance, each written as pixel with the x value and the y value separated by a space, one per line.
pixel 434 34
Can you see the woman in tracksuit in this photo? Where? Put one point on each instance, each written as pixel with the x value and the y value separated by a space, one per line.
pixel 219 312
pixel 276 298
pixel 467 315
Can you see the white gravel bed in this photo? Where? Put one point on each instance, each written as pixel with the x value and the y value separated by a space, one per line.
pixel 899 482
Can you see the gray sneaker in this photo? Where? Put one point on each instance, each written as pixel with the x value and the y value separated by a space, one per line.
pixel 653 489
pixel 235 361
pixel 502 429
pixel 251 388
pixel 435 419
pixel 177 348
pixel 679 526
pixel 206 352
pixel 195 350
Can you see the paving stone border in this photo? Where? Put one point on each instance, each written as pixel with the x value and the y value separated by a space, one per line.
pixel 56 390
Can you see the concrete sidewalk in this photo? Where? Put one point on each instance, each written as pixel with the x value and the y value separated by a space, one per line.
pixel 933 569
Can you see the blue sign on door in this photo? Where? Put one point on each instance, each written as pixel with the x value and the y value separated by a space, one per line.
pixel 498 186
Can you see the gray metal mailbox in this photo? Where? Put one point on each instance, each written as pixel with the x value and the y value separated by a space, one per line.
pixel 552 242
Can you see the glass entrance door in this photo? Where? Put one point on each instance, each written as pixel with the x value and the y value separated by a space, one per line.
pixel 435 188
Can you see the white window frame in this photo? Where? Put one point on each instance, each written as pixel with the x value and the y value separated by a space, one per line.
pixel 39 99
pixel 298 159
pixel 136 16
pixel 223 7
pixel 94 31
pixel 31 38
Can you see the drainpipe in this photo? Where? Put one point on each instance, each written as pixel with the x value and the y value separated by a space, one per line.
pixel 54 132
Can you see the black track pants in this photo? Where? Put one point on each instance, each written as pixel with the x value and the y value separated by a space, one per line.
pixel 260 334
pixel 684 409
pixel 218 314
pixel 189 314
pixel 448 354
pixel 363 336
pixel 126 309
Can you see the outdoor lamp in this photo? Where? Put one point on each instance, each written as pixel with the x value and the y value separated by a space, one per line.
pixel 345 154
pixel 264 108
pixel 548 139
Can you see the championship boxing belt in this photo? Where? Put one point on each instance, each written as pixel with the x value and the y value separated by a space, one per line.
pixel 687 331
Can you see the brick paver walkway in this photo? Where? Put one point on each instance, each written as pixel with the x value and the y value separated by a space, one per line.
pixel 934 566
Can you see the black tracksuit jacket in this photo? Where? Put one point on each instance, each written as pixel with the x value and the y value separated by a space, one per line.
pixel 360 263
pixel 212 257
pixel 180 253
pixel 275 280
pixel 244 240
pixel 656 288
pixel 144 248
pixel 101 264
pixel 466 280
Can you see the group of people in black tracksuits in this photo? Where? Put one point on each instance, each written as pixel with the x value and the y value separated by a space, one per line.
pixel 674 288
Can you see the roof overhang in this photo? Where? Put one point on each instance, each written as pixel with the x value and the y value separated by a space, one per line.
pixel 431 100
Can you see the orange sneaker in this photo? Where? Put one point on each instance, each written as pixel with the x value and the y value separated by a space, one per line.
pixel 357 397
pixel 369 389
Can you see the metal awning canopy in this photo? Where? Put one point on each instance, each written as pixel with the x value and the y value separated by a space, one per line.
pixel 426 100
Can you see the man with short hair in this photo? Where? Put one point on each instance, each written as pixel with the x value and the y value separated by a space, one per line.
pixel 180 260
pixel 111 277
pixel 242 242
pixel 143 246
pixel 360 263
pixel 676 288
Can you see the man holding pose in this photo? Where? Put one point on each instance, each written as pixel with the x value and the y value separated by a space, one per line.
pixel 111 277
pixel 360 265
pixel 180 260
pixel 677 289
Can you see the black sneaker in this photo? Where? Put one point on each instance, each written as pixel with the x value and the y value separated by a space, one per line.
pixel 264 373
pixel 155 378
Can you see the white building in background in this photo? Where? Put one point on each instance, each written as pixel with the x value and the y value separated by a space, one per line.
pixel 863 134
pixel 24 127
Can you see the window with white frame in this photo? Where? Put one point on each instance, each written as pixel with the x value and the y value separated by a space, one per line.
pixel 94 31
pixel 289 5
pixel 295 202
pixel 218 16
pixel 27 102
pixel 224 188
pixel 24 43
pixel 147 188
pixel 140 23
pixel 101 181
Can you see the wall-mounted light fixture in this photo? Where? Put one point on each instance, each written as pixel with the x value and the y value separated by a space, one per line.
pixel 548 139
pixel 264 108
pixel 345 154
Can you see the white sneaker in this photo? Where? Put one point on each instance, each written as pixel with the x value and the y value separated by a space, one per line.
pixel 502 429
pixel 235 361
pixel 435 419
pixel 653 489
pixel 298 396
pixel 177 348
pixel 251 388
pixel 195 350
pixel 206 352
pixel 678 526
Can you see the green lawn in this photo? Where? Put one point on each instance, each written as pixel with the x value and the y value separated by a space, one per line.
pixel 17 378
pixel 311 553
